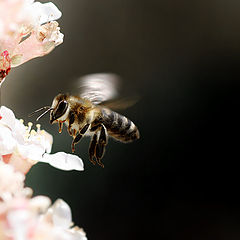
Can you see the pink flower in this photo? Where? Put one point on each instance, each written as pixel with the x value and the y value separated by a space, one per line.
pixel 27 30
pixel 23 217
pixel 32 219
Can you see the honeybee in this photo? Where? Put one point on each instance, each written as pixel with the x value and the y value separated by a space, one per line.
pixel 86 114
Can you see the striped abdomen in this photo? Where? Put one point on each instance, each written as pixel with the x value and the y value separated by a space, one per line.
pixel 119 127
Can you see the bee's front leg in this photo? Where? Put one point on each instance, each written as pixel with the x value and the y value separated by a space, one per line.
pixel 79 136
pixel 71 121
pixel 60 124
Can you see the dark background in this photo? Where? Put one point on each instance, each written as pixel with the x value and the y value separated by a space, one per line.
pixel 181 179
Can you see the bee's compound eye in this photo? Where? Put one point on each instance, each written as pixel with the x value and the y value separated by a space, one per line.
pixel 62 106
pixel 61 109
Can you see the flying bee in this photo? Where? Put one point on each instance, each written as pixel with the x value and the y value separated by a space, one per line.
pixel 86 114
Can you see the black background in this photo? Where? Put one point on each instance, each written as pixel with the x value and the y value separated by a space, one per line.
pixel 181 179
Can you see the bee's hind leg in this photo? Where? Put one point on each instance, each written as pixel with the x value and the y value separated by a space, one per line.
pixel 92 148
pixel 101 144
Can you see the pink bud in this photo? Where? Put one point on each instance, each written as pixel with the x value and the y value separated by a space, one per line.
pixel 5 64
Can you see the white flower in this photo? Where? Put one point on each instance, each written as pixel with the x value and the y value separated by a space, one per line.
pixel 22 147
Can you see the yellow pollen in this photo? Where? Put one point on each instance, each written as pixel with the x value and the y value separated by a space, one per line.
pixel 38 127
pixel 33 133
pixel 21 121
pixel 29 127
pixel 27 135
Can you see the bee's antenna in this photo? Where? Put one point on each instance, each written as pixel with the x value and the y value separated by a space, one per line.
pixel 49 109
pixel 40 109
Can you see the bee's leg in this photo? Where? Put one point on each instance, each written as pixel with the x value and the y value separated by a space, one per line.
pixel 100 148
pixel 92 148
pixel 60 124
pixel 95 128
pixel 84 129
pixel 69 131
pixel 74 133
pixel 71 121
pixel 79 136
pixel 75 141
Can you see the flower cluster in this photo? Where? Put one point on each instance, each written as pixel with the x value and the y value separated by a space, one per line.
pixel 23 217
pixel 27 30
pixel 26 218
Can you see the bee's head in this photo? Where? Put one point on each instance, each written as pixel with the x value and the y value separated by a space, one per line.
pixel 59 108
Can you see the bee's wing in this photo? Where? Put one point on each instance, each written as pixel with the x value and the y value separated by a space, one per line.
pixel 120 104
pixel 99 87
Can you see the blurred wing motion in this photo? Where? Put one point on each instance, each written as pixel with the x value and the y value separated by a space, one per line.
pixel 120 104
pixel 99 87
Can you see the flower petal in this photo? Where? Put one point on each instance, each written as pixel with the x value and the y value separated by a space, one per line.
pixel 19 222
pixel 40 203
pixel 63 161
pixel 41 42
pixel 30 151
pixel 45 12
pixel 20 162
pixel 77 233
pixel 61 214
pixel 7 142
pixel 8 117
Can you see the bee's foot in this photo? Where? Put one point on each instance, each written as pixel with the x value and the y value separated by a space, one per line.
pixel 73 148
pixel 74 133
pixel 92 161
pixel 100 163
pixel 60 124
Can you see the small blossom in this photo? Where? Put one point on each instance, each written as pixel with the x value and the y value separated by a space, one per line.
pixel 5 64
pixel 40 42
pixel 59 217
pixel 11 183
pixel 22 147
pixel 33 219
pixel 27 30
